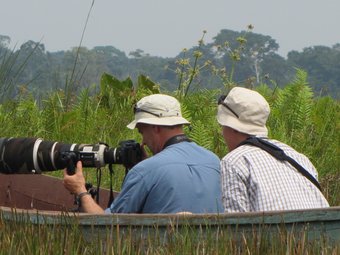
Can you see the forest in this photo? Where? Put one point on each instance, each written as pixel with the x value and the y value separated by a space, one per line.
pixel 246 58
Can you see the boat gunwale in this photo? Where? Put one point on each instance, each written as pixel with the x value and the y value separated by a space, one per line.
pixel 318 215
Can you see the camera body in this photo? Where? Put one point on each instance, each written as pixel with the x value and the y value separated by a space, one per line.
pixel 34 155
pixel 128 153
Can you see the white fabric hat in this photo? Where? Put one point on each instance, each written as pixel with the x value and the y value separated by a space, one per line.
pixel 244 110
pixel 158 109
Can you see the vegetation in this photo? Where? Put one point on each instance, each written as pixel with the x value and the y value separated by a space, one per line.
pixel 24 237
pixel 99 113
pixel 258 62
pixel 84 110
pixel 309 124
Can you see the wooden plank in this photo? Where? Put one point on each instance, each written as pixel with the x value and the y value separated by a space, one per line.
pixel 42 192
pixel 316 223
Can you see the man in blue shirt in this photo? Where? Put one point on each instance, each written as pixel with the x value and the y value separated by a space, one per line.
pixel 180 177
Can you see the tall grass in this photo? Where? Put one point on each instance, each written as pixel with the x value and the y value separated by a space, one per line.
pixel 21 236
pixel 311 125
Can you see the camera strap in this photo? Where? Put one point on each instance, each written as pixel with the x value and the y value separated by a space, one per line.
pixel 176 139
pixel 111 198
pixel 279 154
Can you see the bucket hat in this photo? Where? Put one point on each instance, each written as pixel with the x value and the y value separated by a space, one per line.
pixel 244 110
pixel 158 109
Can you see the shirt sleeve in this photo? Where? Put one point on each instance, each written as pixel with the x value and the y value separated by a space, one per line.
pixel 234 189
pixel 132 196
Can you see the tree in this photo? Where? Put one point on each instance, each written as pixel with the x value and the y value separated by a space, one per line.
pixel 4 41
pixel 243 53
pixel 36 72
pixel 322 65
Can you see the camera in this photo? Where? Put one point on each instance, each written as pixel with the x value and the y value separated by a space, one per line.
pixel 34 155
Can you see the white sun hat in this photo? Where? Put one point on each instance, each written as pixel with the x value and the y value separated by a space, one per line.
pixel 158 109
pixel 244 110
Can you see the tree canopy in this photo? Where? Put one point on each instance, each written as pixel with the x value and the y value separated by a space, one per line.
pixel 245 58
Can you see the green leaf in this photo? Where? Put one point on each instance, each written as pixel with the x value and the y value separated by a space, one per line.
pixel 144 82
pixel 116 85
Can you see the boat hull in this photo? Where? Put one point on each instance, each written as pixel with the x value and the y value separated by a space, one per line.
pixel 38 199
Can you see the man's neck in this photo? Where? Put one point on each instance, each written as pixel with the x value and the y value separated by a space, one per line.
pixel 176 139
pixel 167 133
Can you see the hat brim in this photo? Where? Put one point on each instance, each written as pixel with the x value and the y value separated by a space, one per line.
pixel 164 121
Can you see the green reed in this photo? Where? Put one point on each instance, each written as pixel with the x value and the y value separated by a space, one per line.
pixel 20 236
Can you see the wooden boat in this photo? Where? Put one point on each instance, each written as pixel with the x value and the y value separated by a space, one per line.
pixel 40 192
pixel 41 199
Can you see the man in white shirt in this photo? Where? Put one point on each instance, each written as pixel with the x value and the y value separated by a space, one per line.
pixel 252 178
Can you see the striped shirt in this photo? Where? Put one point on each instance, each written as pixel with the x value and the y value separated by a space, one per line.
pixel 253 180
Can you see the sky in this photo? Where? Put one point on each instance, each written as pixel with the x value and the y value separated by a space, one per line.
pixel 165 27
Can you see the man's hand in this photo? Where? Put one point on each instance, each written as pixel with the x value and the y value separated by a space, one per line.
pixel 75 183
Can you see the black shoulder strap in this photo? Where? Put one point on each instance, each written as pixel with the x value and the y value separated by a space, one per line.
pixel 279 154
pixel 176 139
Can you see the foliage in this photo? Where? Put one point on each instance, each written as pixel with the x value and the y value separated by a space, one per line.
pixel 245 58
pixel 85 112
pixel 20 236
pixel 188 70
pixel 293 103
pixel 322 64
pixel 301 120
pixel 311 125
pixel 199 108
pixel 11 71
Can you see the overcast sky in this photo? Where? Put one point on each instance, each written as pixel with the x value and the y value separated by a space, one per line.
pixel 164 27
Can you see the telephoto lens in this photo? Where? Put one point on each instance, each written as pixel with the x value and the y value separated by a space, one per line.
pixel 34 155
